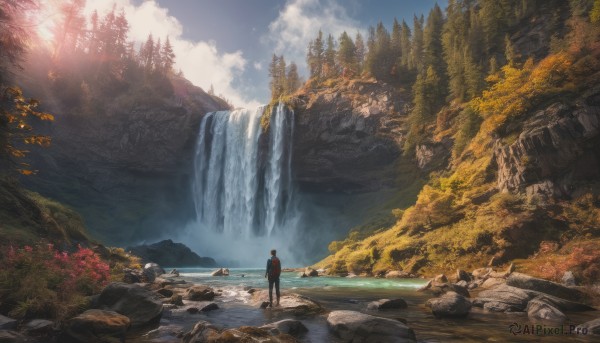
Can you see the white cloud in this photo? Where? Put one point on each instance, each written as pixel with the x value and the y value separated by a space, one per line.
pixel 257 65
pixel 300 21
pixel 200 61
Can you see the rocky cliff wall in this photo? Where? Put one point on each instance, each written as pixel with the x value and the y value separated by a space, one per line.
pixel 127 170
pixel 556 151
pixel 348 137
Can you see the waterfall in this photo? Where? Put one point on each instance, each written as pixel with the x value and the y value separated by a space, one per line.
pixel 243 178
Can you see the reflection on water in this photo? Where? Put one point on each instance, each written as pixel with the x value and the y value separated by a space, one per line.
pixel 336 293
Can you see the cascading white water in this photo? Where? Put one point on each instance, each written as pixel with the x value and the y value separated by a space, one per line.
pixel 242 190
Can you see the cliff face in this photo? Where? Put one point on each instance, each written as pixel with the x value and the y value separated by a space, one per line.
pixel 127 169
pixel 556 152
pixel 348 137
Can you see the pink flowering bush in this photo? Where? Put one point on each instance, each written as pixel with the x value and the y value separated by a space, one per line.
pixel 41 281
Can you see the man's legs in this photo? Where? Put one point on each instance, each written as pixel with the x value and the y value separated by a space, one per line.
pixel 271 282
pixel 276 291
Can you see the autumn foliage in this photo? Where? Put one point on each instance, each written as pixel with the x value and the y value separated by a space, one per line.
pixel 41 281
pixel 16 115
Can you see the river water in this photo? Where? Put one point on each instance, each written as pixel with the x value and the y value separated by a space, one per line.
pixel 336 293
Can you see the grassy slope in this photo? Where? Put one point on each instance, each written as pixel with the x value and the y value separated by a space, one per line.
pixel 459 218
pixel 27 218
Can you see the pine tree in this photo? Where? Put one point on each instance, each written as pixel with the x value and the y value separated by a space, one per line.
pixel 346 56
pixel 510 52
pixel 315 57
pixel 168 56
pixel 147 53
pixel 330 69
pixel 396 40
pixel 121 29
pixel 360 52
pixel 405 36
pixel 432 42
pixel 70 30
pixel 292 79
pixel 416 61
pixel 157 61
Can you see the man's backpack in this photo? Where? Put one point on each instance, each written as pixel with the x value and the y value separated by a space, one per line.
pixel 275 270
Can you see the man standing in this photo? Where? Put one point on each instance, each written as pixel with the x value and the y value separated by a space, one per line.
pixel 273 272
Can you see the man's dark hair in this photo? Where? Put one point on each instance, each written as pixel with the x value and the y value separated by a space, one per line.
pixel 273 252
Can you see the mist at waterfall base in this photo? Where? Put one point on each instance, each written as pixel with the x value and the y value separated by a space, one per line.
pixel 243 191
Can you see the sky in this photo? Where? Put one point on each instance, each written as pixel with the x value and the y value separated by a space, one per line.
pixel 229 43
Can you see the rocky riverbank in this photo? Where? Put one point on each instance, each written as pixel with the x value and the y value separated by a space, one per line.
pixel 169 308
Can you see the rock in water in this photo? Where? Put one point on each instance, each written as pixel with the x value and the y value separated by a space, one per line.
pixel 220 272
pixel 450 304
pixel 592 327
pixel 8 336
pixel 7 323
pixel 96 326
pixel 352 326
pixel 540 285
pixel 171 254
pixel 140 305
pixel 152 271
pixel 199 293
pixel 540 309
pixel 385 304
pixel 288 326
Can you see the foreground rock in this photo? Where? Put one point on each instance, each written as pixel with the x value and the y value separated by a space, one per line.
pixel 220 272
pixel 505 298
pixel 386 304
pixel 169 253
pixel 7 323
pixel 592 327
pixel 540 309
pixel 8 336
pixel 206 332
pixel 140 305
pixel 151 271
pixel 524 281
pixel 287 326
pixel 352 326
pixel 199 293
pixel 450 304
pixel 290 302
pixel 96 326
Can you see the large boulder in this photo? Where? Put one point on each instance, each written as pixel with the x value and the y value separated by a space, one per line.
pixel 39 327
pixel 8 336
pixel 506 298
pixel 503 299
pixel 542 310
pixel 164 334
pixel 206 332
pixel 287 326
pixel 151 271
pixel 140 305
pixel 591 327
pixel 386 304
pixel 169 253
pixel 289 303
pixel 524 281
pixel 450 304
pixel 7 323
pixel 199 293
pixel 220 272
pixel 96 326
pixel 352 326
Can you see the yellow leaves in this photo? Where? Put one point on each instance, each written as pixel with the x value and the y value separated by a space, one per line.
pixel 27 172
pixel 15 110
